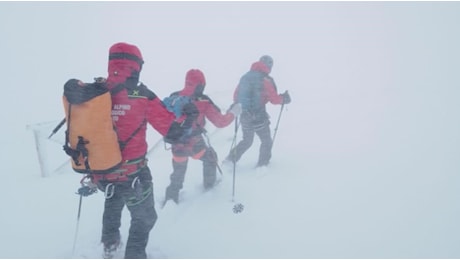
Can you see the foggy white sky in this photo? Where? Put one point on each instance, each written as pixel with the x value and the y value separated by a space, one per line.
pixel 324 46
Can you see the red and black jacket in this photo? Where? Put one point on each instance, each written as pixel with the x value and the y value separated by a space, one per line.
pixel 195 83
pixel 134 106
pixel 269 91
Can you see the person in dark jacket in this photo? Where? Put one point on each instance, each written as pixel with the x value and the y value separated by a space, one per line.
pixel 255 89
pixel 134 106
pixel 196 146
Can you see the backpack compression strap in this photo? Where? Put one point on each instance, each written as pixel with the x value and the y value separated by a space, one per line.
pixel 79 150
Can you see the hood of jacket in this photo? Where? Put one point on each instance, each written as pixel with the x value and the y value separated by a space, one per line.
pixel 194 83
pixel 260 66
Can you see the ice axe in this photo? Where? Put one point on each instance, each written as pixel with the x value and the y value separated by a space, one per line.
pixel 56 129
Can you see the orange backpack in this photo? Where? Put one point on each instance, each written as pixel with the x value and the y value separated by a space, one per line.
pixel 91 140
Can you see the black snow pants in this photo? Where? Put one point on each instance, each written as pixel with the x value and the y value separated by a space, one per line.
pixel 250 126
pixel 196 149
pixel 138 198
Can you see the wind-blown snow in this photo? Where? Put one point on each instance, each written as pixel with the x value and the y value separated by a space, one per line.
pixel 366 158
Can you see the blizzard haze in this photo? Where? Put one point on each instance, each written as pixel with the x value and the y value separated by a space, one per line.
pixel 366 158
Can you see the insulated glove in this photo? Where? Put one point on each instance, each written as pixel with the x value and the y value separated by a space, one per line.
pixel 86 191
pixel 286 97
pixel 88 187
pixel 235 109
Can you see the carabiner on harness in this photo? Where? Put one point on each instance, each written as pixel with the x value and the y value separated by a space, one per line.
pixel 109 191
pixel 135 182
pixel 137 187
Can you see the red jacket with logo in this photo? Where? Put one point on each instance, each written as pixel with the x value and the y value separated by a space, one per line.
pixel 134 105
pixel 132 109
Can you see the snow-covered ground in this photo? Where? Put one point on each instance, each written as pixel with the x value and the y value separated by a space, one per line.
pixel 366 158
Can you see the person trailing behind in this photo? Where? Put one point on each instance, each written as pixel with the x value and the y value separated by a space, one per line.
pixel 133 105
pixel 194 145
pixel 254 90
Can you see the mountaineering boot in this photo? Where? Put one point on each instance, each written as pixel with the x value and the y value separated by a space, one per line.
pixel 172 193
pixel 262 164
pixel 177 179
pixel 209 168
pixel 209 176
pixel 208 185
pixel 111 249
pixel 227 164
pixel 230 158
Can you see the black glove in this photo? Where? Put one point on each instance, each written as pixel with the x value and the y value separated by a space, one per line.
pixel 88 187
pixel 86 191
pixel 286 98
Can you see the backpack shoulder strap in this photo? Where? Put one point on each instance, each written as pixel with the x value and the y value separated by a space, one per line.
pixel 124 143
pixel 140 90
pixel 80 149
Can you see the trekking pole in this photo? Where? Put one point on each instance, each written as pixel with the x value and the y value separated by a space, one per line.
pixel 86 189
pixel 57 128
pixel 277 124
pixel 78 223
pixel 234 156
pixel 234 137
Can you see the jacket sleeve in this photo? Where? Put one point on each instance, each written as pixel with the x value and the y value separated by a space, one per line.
pixel 270 92
pixel 213 114
pixel 159 117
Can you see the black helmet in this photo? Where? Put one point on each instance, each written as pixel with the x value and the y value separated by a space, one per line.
pixel 267 60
